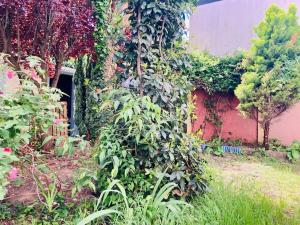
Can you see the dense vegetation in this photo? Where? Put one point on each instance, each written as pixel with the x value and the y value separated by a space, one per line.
pixel 272 84
pixel 216 74
pixel 134 81
pixel 145 110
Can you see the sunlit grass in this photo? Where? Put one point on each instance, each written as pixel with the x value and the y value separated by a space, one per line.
pixel 238 205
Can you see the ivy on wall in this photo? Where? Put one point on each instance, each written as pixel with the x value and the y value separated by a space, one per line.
pixel 214 74
pixel 90 77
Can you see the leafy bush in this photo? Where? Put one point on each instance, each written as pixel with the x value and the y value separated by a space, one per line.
pixel 154 207
pixel 214 147
pixel 293 151
pixel 27 114
pixel 6 158
pixel 140 140
pixel 275 145
pixel 214 74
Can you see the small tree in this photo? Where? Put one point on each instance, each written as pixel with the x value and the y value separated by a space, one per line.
pixel 272 84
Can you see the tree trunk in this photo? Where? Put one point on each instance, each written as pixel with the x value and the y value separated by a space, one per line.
pixel 189 126
pixel 109 70
pixel 266 135
pixel 55 80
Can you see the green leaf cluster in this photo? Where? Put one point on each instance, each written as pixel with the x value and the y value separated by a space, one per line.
pixel 272 83
pixel 215 74
pixel 25 117
pixel 293 151
pixel 277 40
pixel 6 159
pixel 140 140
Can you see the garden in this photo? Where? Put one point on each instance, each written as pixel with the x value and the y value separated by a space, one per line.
pixel 133 156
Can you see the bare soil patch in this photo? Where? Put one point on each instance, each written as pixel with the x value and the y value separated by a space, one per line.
pixel 25 190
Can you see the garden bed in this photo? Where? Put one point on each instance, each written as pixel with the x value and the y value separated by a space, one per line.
pixel 24 189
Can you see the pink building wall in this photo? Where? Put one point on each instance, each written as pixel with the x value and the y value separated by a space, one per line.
pixel 286 128
pixel 225 27
pixel 234 126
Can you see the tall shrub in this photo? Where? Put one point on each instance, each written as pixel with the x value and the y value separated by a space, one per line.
pixel 272 84
pixel 144 132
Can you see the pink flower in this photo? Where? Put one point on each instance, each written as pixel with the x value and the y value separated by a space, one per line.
pixel 10 74
pixel 1 93
pixel 13 174
pixel 120 69
pixel 57 121
pixel 7 150
pixel 34 76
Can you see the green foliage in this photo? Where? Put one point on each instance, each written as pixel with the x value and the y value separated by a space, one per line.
pixel 27 115
pixel 48 193
pixel 90 78
pixel 272 84
pixel 235 205
pixel 140 139
pixel 224 204
pixel 272 93
pixel 168 89
pixel 293 151
pixel 155 207
pixel 67 145
pixel 143 120
pixel 101 14
pixel 81 94
pixel 64 212
pixel 6 159
pixel 275 145
pixel 277 40
pixel 215 147
pixel 153 48
pixel 214 74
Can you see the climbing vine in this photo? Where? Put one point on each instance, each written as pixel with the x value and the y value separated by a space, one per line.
pixel 216 74
pixel 95 72
pixel 155 28
pixel 145 106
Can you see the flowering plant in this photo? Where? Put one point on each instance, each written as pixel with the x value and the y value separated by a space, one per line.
pixel 7 172
pixel 27 114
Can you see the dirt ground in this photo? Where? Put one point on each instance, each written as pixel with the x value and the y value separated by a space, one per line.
pixel 62 169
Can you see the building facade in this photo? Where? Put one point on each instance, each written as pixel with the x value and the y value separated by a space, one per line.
pixel 224 27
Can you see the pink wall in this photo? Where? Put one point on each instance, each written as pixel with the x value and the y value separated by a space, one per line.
pixel 234 127
pixel 286 128
pixel 226 26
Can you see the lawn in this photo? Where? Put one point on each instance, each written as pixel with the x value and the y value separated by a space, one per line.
pixel 243 191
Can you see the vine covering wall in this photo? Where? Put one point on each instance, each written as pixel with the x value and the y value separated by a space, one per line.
pixel 216 74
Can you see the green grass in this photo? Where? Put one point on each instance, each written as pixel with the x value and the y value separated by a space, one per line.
pixel 225 204
pixel 231 205
pixel 243 193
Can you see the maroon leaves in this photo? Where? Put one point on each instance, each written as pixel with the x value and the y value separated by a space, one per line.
pixel 50 29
